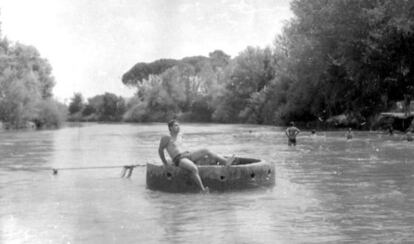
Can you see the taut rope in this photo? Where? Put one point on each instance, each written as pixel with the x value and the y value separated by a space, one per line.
pixel 126 169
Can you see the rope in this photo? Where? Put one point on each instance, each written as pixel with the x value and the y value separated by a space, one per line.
pixel 99 167
pixel 126 169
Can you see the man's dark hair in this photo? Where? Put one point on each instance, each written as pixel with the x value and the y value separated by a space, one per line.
pixel 171 123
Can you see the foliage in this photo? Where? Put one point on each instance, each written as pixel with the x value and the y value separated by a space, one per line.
pixel 334 57
pixel 247 77
pixel 49 114
pixel 76 104
pixel 142 71
pixel 135 111
pixel 184 89
pixel 344 57
pixel 26 87
pixel 105 107
pixel 112 108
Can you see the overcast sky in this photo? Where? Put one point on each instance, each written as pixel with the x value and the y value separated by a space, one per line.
pixel 92 43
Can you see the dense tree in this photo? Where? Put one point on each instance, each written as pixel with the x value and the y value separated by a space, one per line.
pixel 141 71
pixel 25 87
pixel 113 107
pixel 345 57
pixel 185 88
pixel 105 107
pixel 219 59
pixel 49 114
pixel 248 75
pixel 76 104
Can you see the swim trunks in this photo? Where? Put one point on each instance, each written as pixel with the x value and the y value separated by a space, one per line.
pixel 176 159
pixel 292 141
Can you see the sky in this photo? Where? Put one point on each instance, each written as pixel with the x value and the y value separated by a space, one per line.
pixel 90 44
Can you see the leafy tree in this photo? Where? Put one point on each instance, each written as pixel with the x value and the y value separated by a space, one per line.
pixel 88 110
pixel 347 57
pixel 25 80
pixel 159 104
pixel 49 114
pixel 141 71
pixel 105 107
pixel 248 74
pixel 181 83
pixel 219 59
pixel 113 107
pixel 135 110
pixel 77 103
pixel 186 87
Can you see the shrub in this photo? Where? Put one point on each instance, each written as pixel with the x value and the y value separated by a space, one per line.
pixel 49 114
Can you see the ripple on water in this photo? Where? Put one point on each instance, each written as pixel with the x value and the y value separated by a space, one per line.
pixel 328 190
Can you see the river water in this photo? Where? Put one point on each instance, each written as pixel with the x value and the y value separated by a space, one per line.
pixel 328 189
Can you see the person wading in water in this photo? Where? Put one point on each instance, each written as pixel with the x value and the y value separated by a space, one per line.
pixel 291 133
pixel 185 159
pixel 349 135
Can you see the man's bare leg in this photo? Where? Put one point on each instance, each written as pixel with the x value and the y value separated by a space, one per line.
pixel 200 154
pixel 187 164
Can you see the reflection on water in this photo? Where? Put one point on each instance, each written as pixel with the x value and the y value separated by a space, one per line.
pixel 327 189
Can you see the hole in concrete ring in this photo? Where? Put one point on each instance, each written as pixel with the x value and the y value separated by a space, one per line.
pixel 169 175
pixel 269 171
pixel 222 177
pixel 252 175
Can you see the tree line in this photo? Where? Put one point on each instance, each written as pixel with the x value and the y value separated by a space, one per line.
pixel 346 58
pixel 334 57
pixel 107 107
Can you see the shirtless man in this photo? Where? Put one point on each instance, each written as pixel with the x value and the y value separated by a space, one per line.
pixel 349 134
pixel 409 136
pixel 185 159
pixel 291 133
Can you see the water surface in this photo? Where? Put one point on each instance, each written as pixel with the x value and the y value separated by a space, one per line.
pixel 328 189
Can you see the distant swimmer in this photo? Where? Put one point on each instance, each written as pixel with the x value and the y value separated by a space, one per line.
pixel 390 130
pixel 409 136
pixel 349 135
pixel 291 133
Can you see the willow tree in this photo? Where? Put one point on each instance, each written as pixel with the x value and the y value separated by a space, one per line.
pixel 25 83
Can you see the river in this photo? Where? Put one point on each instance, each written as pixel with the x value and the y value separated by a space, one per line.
pixel 328 189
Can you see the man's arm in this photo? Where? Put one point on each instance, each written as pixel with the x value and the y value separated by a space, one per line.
pixel 297 131
pixel 163 144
